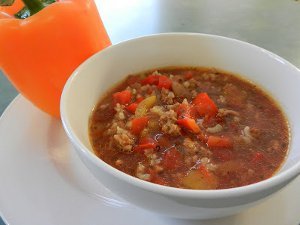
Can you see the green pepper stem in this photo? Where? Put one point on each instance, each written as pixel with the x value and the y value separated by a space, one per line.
pixel 34 5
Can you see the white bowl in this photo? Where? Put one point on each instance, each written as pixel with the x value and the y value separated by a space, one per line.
pixel 96 75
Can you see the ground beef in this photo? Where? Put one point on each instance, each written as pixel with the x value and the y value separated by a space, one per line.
pixel 191 147
pixel 193 83
pixel 209 76
pixel 113 128
pixel 124 140
pixel 168 123
pixel 159 110
pixel 146 91
pixel 208 164
pixel 167 97
pixel 221 99
pixel 119 112
pixel 140 172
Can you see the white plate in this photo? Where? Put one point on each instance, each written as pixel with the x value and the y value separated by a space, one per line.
pixel 43 182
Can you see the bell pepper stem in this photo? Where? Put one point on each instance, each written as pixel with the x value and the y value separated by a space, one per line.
pixel 34 5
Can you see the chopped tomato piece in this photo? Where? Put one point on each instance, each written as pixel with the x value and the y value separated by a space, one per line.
pixel 151 79
pixel 132 107
pixel 219 142
pixel 145 143
pixel 164 82
pixel 147 140
pixel 203 170
pixel 188 75
pixel 205 105
pixel 172 159
pixel 138 124
pixel 183 111
pixel 122 97
pixel 160 80
pixel 139 99
pixel 189 124
pixel 193 111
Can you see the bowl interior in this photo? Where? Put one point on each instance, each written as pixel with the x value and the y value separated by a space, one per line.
pixel 95 76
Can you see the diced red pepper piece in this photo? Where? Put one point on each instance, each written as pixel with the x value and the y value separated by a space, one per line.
pixel 219 142
pixel 183 111
pixel 151 79
pixel 188 75
pixel 138 124
pixel 172 159
pixel 193 111
pixel 160 80
pixel 203 170
pixel 205 105
pixel 122 97
pixel 164 82
pixel 139 99
pixel 189 124
pixel 145 143
pixel 132 107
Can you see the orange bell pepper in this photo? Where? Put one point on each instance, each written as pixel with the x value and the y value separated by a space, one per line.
pixel 145 143
pixel 132 107
pixel 160 81
pixel 172 159
pixel 164 82
pixel 219 142
pixel 205 105
pixel 138 124
pixel 13 9
pixel 122 97
pixel 189 124
pixel 40 52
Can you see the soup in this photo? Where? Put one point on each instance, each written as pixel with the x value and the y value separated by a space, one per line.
pixel 193 128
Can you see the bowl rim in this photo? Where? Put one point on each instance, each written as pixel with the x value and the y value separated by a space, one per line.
pixel 273 181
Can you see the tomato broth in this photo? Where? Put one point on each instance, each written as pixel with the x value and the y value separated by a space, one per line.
pixel 194 128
